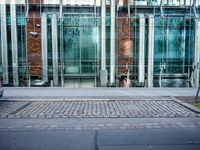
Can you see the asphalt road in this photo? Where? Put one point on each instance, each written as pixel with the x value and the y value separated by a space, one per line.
pixel 140 139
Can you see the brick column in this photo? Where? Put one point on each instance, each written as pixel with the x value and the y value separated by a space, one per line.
pixel 34 43
pixel 35 1
pixel 125 48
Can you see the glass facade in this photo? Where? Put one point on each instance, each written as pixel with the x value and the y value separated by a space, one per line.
pixel 60 43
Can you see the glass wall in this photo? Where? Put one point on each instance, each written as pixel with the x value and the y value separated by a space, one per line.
pixel 21 36
pixel 20 46
pixel 1 69
pixel 80 41
pixel 174 49
pixel 64 42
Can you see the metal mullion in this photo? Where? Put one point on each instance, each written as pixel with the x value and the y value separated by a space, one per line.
pixel 167 42
pixel 112 43
pixel 22 46
pixel 55 49
pixel 44 47
pixel 4 46
pixel 14 42
pixel 96 47
pixel 80 44
pixel 184 28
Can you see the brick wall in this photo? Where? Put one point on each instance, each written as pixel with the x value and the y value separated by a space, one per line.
pixel 34 43
pixel 125 48
pixel 125 43
pixel 35 1
pixel 125 2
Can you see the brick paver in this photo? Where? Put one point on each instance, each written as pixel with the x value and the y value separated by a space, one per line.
pixel 95 109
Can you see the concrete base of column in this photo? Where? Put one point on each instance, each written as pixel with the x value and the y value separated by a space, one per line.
pixel 103 78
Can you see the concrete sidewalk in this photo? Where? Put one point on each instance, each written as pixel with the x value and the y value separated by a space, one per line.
pixel 60 93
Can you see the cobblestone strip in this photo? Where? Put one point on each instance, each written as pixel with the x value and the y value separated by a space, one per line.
pixel 105 126
pixel 95 109
pixel 9 107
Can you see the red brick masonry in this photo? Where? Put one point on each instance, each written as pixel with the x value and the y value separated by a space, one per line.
pixel 125 43
pixel 34 43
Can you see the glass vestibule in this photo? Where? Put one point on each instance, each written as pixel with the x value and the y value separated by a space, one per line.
pixel 173 53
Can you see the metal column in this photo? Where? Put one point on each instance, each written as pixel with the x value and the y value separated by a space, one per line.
pixel 151 51
pixel 112 43
pixel 4 47
pixel 197 53
pixel 141 75
pixel 14 43
pixel 44 42
pixel 103 72
pixel 55 49
pixel 61 44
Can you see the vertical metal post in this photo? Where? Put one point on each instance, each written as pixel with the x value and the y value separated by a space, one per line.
pixel 141 75
pixel 103 35
pixel 61 44
pixel 184 44
pixel 55 49
pixel 151 51
pixel 44 47
pixel 112 43
pixel 14 43
pixel 197 52
pixel 103 72
pixel 4 46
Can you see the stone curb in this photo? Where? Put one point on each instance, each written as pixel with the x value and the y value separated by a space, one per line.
pixel 97 98
pixel 188 106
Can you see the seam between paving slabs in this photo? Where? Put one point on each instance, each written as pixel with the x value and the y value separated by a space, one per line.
pixel 20 108
pixel 96 140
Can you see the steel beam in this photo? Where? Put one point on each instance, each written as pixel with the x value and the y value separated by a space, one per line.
pixel 151 51
pixel 14 43
pixel 112 43
pixel 141 75
pixel 4 46
pixel 44 42
pixel 55 49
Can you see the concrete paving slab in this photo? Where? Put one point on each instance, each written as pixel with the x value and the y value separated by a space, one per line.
pixel 155 139
pixel 47 140
pixel 143 137
pixel 152 147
